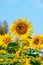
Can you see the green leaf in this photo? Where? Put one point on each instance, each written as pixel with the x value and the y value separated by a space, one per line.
pixel 9 50
pixel 7 55
pixel 29 37
pixel 12 44
pixel 17 63
pixel 1 48
pixel 35 62
pixel 34 55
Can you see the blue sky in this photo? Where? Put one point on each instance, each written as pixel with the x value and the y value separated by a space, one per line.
pixel 11 10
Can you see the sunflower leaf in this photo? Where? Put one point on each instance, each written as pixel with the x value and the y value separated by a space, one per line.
pixel 7 55
pixel 35 62
pixel 12 44
pixel 29 37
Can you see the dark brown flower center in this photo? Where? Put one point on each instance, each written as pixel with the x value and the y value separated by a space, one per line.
pixel 36 41
pixel 21 28
pixel 20 53
pixel 7 40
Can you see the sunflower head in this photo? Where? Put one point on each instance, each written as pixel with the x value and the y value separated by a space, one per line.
pixel 7 39
pixel 3 51
pixel 27 44
pixel 27 61
pixel 41 44
pixel 41 59
pixel 21 27
pixel 36 41
pixel 19 53
pixel 1 42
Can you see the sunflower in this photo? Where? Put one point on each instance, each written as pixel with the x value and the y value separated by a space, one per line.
pixel 3 51
pixel 7 39
pixel 13 60
pixel 19 53
pixel 41 59
pixel 21 28
pixel 36 41
pixel 1 42
pixel 27 61
pixel 1 60
pixel 38 58
pixel 28 44
pixel 41 44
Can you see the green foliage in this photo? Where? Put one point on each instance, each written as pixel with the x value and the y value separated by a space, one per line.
pixel 7 55
pixel 17 63
pixel 35 62
pixel 12 44
pixel 12 47
pixel 29 37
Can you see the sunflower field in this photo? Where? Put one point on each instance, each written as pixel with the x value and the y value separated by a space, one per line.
pixel 25 49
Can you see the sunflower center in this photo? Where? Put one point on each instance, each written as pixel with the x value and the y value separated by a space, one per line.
pixel 20 53
pixel 7 40
pixel 36 41
pixel 21 28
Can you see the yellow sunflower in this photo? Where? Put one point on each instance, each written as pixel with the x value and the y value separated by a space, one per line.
pixel 36 41
pixel 21 28
pixel 19 53
pixel 13 60
pixel 7 39
pixel 1 60
pixel 41 44
pixel 42 59
pixel 3 51
pixel 27 61
pixel 28 44
pixel 1 42
pixel 38 58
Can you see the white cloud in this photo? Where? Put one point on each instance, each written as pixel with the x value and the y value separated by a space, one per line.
pixel 37 3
